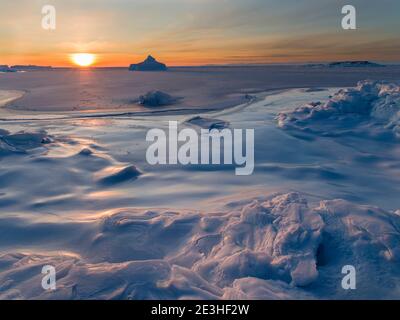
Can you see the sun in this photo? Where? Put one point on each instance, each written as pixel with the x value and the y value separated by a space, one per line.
pixel 83 59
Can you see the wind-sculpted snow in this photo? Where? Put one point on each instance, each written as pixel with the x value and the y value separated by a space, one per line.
pixel 276 247
pixel 258 241
pixel 21 142
pixel 372 105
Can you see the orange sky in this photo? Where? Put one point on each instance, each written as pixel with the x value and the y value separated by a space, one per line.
pixel 198 32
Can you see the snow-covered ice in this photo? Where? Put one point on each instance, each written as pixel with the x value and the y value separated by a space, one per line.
pixel 371 101
pixel 278 247
pixel 77 193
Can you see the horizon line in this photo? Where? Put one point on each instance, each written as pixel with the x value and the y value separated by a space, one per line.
pixel 255 64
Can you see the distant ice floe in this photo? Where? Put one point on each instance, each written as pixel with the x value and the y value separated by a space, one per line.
pixel 23 68
pixel 355 64
pixel 278 247
pixel 375 103
pixel 6 68
pixel 346 64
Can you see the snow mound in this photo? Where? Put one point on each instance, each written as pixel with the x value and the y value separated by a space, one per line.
pixel 368 229
pixel 276 247
pixel 114 175
pixel 157 99
pixel 376 102
pixel 259 243
pixel 22 142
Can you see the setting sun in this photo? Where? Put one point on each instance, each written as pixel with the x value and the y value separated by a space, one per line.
pixel 83 59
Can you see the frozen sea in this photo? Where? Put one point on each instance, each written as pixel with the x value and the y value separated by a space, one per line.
pixel 77 193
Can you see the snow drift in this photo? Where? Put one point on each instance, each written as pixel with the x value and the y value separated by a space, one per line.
pixel 277 247
pixel 157 99
pixel 21 142
pixel 376 104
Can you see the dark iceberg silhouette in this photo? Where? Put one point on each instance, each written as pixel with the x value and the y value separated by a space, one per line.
pixel 150 64
pixel 6 68
pixel 354 64
pixel 31 67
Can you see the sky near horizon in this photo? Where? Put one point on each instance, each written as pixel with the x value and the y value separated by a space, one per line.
pixel 196 32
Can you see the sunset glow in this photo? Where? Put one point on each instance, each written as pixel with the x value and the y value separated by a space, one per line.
pixel 181 32
pixel 83 59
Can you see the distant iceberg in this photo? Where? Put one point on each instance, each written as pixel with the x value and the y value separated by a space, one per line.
pixel 150 64
pixel 6 68
pixel 345 64
pixel 19 68
pixel 30 68
pixel 354 64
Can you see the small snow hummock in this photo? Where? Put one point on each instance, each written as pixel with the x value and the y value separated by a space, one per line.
pixel 118 174
pixel 157 99
pixel 22 141
pixel 208 123
pixel 375 101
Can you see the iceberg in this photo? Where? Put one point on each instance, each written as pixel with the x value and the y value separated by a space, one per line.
pixel 150 64
pixel 6 68
pixel 31 68
pixel 354 64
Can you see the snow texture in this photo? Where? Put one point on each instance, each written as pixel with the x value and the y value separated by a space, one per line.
pixel 371 102
pixel 278 247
